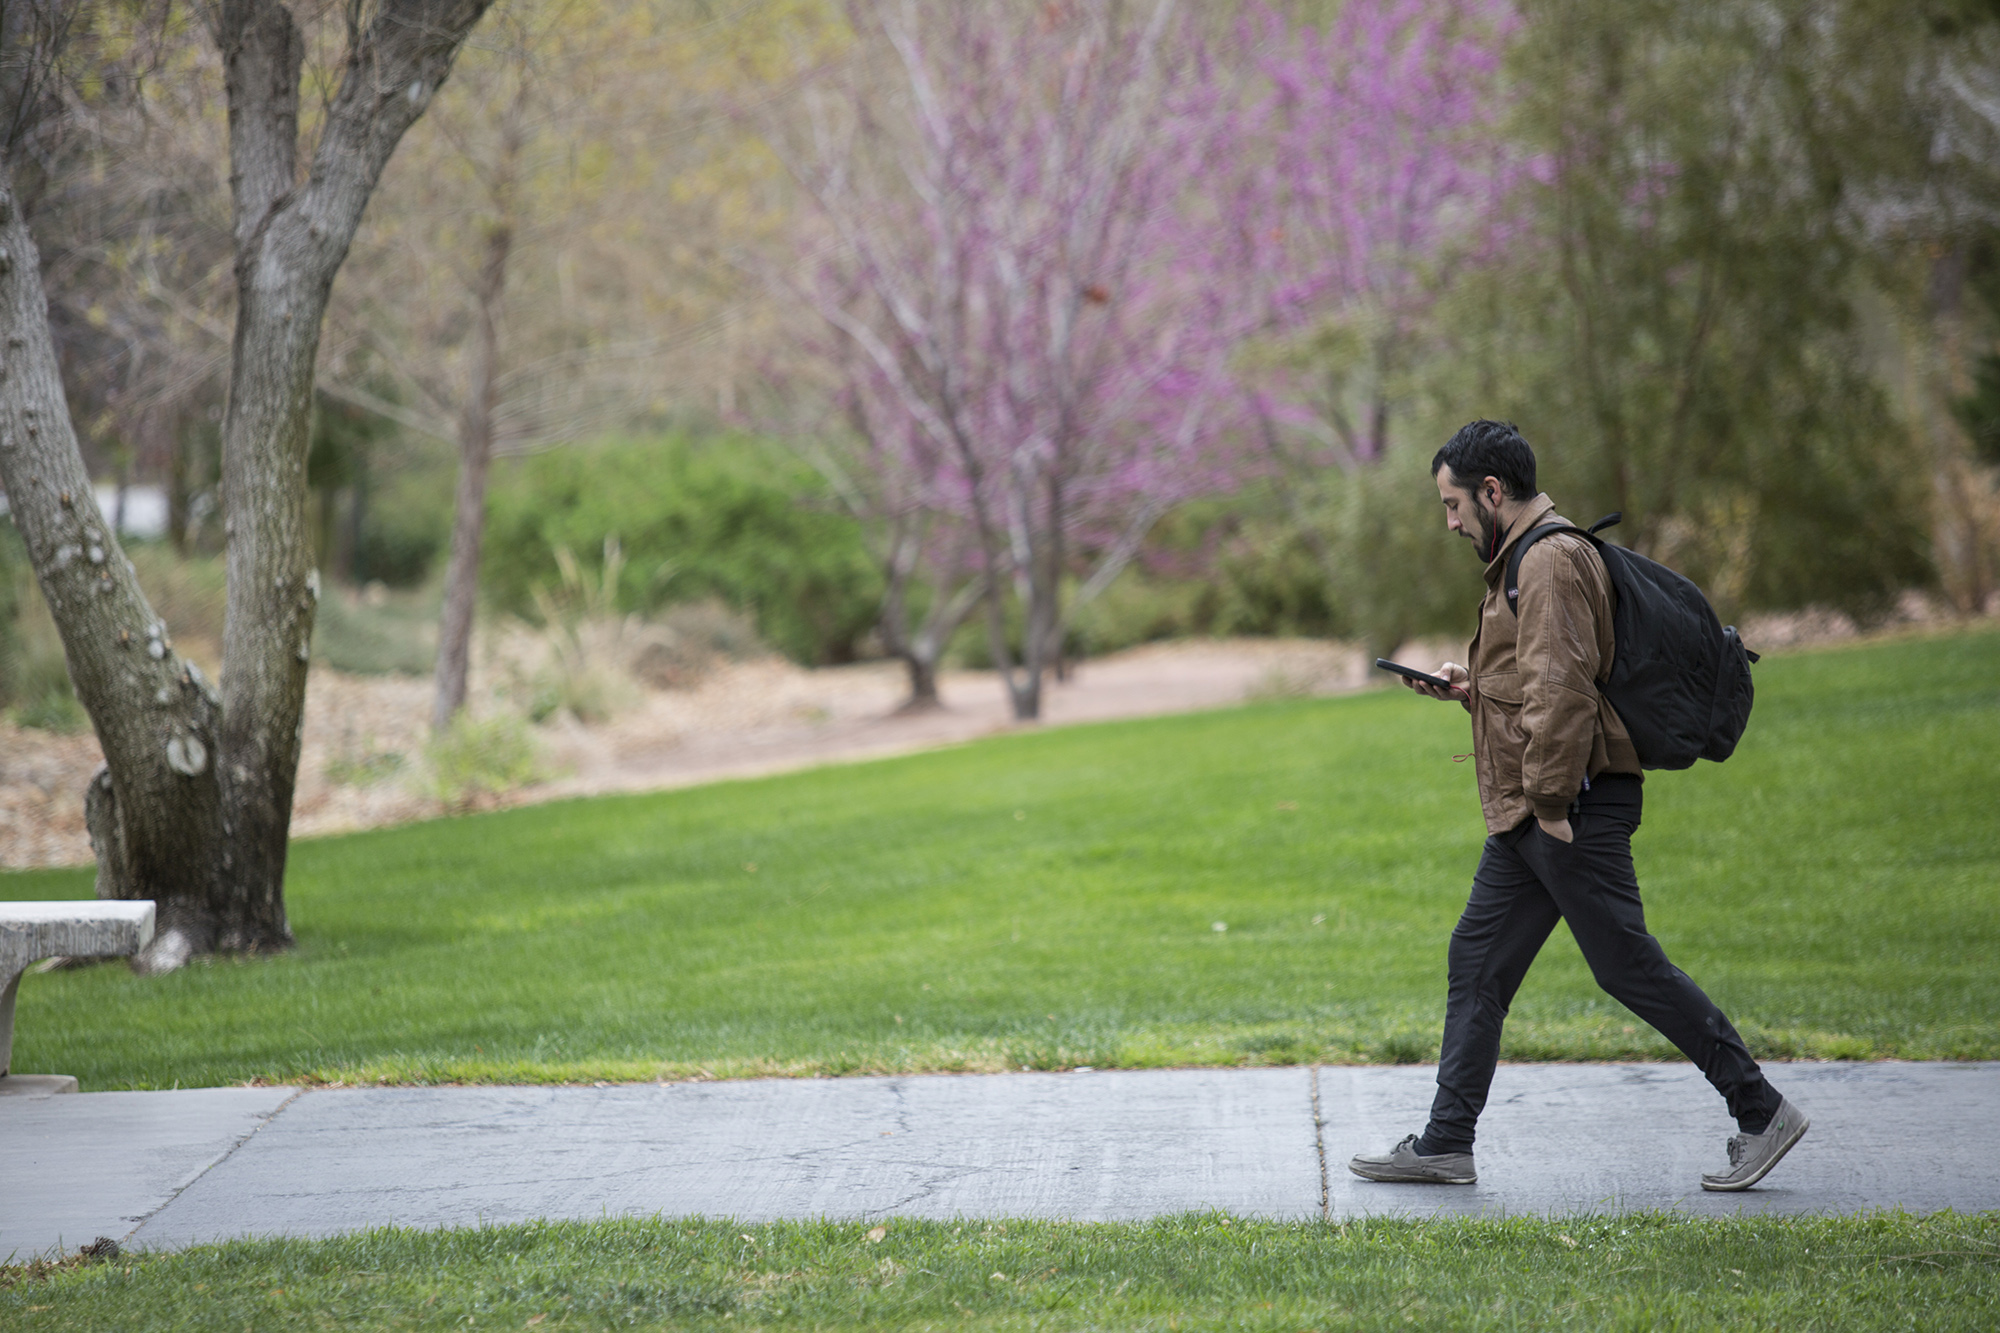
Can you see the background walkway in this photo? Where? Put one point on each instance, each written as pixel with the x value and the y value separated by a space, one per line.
pixel 164 1169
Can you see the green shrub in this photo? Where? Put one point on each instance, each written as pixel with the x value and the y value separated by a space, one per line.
pixel 1137 608
pixel 392 634
pixel 1269 582
pixel 1211 568
pixel 481 756
pixel 730 518
pixel 1370 561
pixel 13 570
pixel 406 519
pixel 34 677
pixel 364 768
pixel 189 593
pixel 1393 571
pixel 53 708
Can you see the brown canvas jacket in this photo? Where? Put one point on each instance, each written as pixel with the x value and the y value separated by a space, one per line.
pixel 1539 725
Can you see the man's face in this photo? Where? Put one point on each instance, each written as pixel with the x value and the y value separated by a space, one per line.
pixel 1463 514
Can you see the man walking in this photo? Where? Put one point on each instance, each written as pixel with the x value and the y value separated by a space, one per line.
pixel 1559 783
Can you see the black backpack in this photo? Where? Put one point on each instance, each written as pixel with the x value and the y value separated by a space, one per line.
pixel 1680 680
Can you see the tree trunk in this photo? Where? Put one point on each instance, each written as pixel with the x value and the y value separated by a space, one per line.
pixel 339 564
pixel 324 556
pixel 949 607
pixel 941 622
pixel 354 560
pixel 923 684
pixel 1038 586
pixel 1024 686
pixel 475 457
pixel 194 805
pixel 291 238
pixel 1051 612
pixel 1962 510
pixel 154 812
pixel 179 493
pixel 283 276
pixel 273 594
pixel 1034 645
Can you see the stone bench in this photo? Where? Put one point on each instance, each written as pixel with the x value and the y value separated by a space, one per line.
pixel 82 929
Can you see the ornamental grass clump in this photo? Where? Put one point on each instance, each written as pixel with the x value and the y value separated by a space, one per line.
pixel 480 757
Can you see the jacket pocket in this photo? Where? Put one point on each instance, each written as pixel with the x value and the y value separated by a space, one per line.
pixel 1503 687
pixel 1503 741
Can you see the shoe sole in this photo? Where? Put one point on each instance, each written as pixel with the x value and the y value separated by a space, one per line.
pixel 1391 1177
pixel 1730 1187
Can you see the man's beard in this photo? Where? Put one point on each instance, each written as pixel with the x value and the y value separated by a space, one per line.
pixel 1484 541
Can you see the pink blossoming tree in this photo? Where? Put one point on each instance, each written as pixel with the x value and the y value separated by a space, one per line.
pixel 1072 264
pixel 1372 167
pixel 1011 300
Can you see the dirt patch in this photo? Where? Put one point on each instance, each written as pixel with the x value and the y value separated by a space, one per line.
pixel 364 735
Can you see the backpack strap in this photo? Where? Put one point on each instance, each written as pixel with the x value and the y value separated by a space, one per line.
pixel 1534 535
pixel 1529 538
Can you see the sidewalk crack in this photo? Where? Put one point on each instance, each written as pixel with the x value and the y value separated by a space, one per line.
pixel 1319 1148
pixel 225 1155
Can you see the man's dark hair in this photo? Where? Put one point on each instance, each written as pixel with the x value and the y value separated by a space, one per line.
pixel 1483 449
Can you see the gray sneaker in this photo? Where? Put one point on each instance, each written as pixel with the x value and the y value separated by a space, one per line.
pixel 1751 1156
pixel 1402 1164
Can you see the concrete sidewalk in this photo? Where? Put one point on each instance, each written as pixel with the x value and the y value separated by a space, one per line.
pixel 166 1169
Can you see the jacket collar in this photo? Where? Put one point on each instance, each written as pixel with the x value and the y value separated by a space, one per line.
pixel 1539 510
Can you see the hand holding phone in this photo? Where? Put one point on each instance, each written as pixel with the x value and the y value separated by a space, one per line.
pixel 1452 685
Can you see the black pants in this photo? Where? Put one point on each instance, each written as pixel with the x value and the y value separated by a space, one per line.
pixel 1525 881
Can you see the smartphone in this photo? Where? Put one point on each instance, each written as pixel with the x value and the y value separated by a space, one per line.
pixel 1415 674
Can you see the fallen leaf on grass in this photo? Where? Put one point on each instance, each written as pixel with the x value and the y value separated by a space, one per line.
pixel 875 1235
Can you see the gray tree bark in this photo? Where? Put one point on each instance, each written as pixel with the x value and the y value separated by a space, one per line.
pixel 194 807
pixel 154 811
pixel 475 461
pixel 920 649
pixel 475 420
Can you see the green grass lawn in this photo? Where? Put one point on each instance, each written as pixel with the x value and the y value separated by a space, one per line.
pixel 1055 898
pixel 1635 1272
